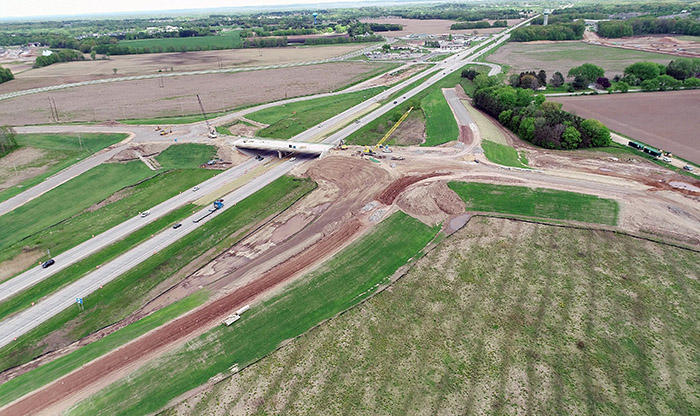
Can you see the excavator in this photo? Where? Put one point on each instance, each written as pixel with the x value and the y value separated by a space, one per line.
pixel 380 145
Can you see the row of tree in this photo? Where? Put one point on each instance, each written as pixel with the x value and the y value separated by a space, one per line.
pixel 650 76
pixel 5 75
pixel 385 27
pixel 560 31
pixel 63 55
pixel 340 39
pixel 536 120
pixel 482 24
pixel 647 25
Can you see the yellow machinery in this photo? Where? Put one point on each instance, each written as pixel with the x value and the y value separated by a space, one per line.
pixel 388 133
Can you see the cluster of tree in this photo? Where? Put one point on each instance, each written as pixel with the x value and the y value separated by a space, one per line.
pixel 650 76
pixel 431 44
pixel 340 39
pixel 530 79
pixel 536 120
pixel 8 141
pixel 63 55
pixel 601 10
pixel 5 75
pixel 454 11
pixel 648 25
pixel 385 27
pixel 561 31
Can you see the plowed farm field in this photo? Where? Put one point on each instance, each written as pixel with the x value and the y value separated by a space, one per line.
pixel 176 96
pixel 667 120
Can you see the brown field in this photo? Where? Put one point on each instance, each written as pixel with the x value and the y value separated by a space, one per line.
pixel 145 98
pixel 429 26
pixel 562 56
pixel 656 43
pixel 667 120
pixel 179 61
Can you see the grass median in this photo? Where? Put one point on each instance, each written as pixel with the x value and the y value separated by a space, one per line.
pixel 537 202
pixel 288 120
pixel 346 279
pixel 128 292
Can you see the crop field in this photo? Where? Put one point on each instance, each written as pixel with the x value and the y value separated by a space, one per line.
pixel 128 65
pixel 667 120
pixel 288 120
pixel 229 40
pixel 127 293
pixel 430 26
pixel 340 283
pixel 502 317
pixel 562 56
pixel 177 97
pixel 542 203
pixel 41 155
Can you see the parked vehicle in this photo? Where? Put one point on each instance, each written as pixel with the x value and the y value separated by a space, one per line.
pixel 688 168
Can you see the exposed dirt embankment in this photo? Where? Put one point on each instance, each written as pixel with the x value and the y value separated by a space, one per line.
pixel 389 194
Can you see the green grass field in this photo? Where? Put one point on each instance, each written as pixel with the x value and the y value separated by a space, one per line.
pixel 503 318
pixel 229 40
pixel 60 151
pixel 166 121
pixel 58 220
pixel 68 199
pixel 125 294
pixel 187 155
pixel 340 283
pixel 28 382
pixel 440 124
pixel 503 154
pixel 291 119
pixel 563 56
pixel 541 203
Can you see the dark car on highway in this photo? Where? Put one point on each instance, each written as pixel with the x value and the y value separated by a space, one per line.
pixel 176 226
pixel 48 263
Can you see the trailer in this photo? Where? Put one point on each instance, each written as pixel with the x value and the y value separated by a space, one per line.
pixel 652 151
pixel 231 319
pixel 635 145
pixel 218 204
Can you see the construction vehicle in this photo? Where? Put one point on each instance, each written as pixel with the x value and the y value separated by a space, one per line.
pixel 379 145
pixel 212 132
pixel 165 131
pixel 218 204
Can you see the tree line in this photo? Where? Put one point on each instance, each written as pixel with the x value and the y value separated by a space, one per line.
pixel 560 31
pixel 647 26
pixel 385 27
pixel 483 24
pixel 536 120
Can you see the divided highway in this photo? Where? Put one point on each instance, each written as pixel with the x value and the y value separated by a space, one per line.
pixel 23 322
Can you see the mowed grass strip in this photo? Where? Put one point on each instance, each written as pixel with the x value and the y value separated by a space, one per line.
pixel 538 202
pixel 503 154
pixel 128 292
pixel 41 376
pixel 61 151
pixel 164 122
pixel 502 318
pixel 291 119
pixel 440 124
pixel 345 280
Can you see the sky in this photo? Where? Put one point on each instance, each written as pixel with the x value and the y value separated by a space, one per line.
pixel 22 8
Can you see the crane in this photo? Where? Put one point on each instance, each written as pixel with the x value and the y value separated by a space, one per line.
pixel 388 133
pixel 212 132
